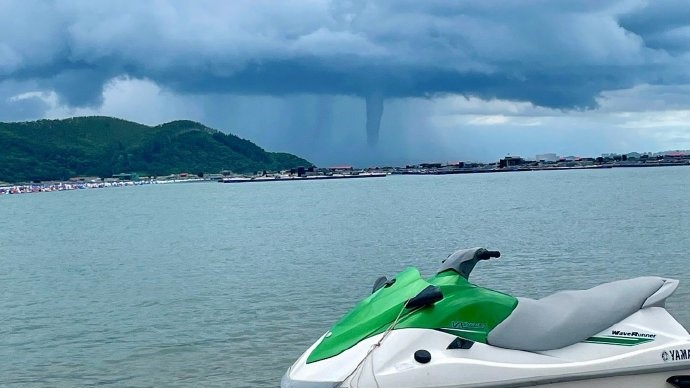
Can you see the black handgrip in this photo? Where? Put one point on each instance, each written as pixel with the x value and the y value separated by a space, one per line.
pixel 495 254
pixel 486 255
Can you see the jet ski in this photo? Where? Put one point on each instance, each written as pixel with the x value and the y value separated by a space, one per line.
pixel 447 332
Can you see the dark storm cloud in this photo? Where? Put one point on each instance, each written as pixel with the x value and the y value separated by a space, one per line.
pixel 663 25
pixel 558 54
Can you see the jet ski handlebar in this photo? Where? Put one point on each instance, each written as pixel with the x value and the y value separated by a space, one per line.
pixel 463 261
pixel 486 255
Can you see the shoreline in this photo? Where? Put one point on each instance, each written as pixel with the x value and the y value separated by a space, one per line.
pixel 442 171
pixel 32 188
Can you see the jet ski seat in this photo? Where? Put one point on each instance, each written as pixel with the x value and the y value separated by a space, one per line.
pixel 568 317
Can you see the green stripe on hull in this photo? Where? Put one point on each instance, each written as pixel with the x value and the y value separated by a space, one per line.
pixel 619 341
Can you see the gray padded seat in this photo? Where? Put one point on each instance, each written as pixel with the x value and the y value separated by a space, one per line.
pixel 568 317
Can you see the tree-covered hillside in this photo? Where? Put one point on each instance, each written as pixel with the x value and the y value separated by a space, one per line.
pixel 103 146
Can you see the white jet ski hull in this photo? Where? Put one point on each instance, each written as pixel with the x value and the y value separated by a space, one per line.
pixel 644 350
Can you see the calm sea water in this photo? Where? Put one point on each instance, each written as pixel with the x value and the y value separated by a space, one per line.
pixel 225 285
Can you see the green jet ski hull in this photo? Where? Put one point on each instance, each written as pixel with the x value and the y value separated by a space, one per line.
pixel 466 310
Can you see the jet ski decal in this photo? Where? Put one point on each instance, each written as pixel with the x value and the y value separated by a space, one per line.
pixel 676 355
pixel 618 340
pixel 632 334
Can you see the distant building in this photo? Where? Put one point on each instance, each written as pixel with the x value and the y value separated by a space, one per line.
pixel 126 176
pixel 510 161
pixel 676 154
pixel 299 171
pixel 85 179
pixel 340 168
pixel 430 165
pixel 546 158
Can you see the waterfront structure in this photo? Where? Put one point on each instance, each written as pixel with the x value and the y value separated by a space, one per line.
pixel 551 157
pixel 511 161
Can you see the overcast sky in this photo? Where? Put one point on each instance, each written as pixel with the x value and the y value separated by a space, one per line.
pixel 456 80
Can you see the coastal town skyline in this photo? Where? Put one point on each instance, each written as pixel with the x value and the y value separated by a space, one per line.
pixel 544 162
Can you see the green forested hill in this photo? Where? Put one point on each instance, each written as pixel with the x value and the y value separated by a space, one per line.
pixel 103 146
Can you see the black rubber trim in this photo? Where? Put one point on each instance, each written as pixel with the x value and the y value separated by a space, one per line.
pixel 679 381
pixel 460 343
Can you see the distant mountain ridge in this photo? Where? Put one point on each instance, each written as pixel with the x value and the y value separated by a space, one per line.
pixel 103 146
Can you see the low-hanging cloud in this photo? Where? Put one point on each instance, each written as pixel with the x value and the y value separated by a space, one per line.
pixel 551 54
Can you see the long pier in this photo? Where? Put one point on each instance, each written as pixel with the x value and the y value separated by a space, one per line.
pixel 279 178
